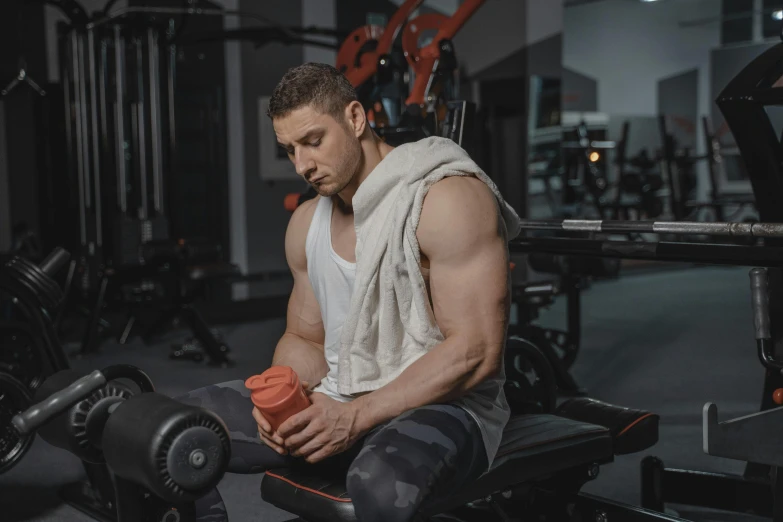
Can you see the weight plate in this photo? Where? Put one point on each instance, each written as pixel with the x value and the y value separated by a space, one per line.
pixel 44 287
pixel 20 355
pixel 14 399
pixel 530 379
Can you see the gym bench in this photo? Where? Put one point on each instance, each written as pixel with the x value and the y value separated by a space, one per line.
pixel 543 462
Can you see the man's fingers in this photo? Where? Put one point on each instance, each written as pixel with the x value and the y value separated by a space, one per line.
pixel 265 439
pixel 261 421
pixel 318 456
pixel 309 447
pixel 299 439
pixel 271 439
pixel 295 423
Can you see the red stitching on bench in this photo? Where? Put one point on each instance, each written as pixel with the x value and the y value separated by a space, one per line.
pixel 330 497
pixel 634 423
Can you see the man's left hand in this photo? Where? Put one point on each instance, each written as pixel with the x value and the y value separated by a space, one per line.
pixel 326 428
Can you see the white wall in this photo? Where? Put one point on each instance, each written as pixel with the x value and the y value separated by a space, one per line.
pixel 319 13
pixel 628 46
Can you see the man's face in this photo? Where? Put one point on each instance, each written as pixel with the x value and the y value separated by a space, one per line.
pixel 324 151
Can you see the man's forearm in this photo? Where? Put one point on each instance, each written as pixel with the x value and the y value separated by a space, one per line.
pixel 306 359
pixel 445 373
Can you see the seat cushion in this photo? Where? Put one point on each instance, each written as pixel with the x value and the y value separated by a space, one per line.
pixel 632 430
pixel 533 447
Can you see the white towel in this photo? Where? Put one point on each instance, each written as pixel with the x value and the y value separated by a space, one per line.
pixel 390 322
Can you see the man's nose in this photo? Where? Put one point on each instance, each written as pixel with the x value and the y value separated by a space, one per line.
pixel 303 163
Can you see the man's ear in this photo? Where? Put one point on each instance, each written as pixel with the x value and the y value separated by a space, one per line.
pixel 356 118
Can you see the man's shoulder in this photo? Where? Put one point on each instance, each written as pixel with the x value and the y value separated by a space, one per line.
pixel 461 205
pixel 296 234
pixel 303 215
pixel 457 195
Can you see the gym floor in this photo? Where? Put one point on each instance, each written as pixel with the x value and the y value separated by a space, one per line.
pixel 664 341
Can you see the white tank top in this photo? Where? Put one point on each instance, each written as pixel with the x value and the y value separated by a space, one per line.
pixel 332 279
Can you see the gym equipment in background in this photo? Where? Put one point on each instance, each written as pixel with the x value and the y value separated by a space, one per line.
pixel 743 103
pixel 29 348
pixel 159 455
pixel 401 111
pixel 679 168
pixel 751 439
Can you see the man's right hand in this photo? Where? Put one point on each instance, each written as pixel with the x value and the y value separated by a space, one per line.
pixel 268 437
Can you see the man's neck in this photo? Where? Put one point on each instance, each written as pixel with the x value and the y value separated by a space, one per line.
pixel 373 152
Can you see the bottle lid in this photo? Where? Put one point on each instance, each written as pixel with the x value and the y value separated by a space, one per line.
pixel 273 387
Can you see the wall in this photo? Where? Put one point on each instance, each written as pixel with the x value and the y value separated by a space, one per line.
pixel 580 92
pixel 628 47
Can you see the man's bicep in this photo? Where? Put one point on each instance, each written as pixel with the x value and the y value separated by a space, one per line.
pixel 462 234
pixel 470 292
pixel 303 317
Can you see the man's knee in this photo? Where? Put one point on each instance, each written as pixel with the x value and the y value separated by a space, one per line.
pixel 222 395
pixel 231 402
pixel 380 488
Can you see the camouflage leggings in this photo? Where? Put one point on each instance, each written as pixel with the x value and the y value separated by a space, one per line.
pixel 420 455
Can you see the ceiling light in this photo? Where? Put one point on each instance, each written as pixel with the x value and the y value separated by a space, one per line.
pixel 777 15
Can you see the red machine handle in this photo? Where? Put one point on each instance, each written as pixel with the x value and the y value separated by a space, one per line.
pixel 369 63
pixel 429 55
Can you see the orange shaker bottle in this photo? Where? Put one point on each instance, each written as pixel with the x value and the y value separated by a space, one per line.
pixel 278 394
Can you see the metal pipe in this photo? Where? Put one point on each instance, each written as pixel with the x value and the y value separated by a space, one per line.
pixel 66 80
pixel 185 11
pixel 77 109
pixel 135 139
pixel 698 253
pixel 157 152
pixel 85 129
pixel 141 136
pixel 171 71
pixel 96 151
pixel 659 227
pixel 119 120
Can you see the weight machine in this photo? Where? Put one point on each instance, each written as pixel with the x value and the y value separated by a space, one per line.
pixel 126 129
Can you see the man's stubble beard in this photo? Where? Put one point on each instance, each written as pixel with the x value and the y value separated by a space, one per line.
pixel 350 163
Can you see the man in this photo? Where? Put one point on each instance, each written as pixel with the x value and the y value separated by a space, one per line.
pixel 409 402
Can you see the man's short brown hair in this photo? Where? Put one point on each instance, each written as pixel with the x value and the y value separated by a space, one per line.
pixel 315 84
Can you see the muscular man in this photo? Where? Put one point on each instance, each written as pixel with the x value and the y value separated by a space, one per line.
pixel 436 424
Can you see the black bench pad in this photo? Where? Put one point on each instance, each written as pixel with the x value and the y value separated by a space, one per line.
pixel 533 447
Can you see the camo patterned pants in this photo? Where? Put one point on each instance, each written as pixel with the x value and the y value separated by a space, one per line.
pixel 419 456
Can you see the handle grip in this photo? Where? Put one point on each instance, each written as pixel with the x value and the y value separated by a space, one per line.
pixel 760 302
pixel 36 416
pixel 55 261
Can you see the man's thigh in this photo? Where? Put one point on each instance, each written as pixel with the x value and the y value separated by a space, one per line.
pixel 419 456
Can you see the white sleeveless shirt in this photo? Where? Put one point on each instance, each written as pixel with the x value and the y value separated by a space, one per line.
pixel 332 279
